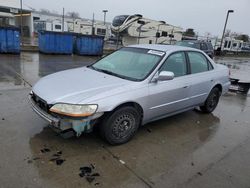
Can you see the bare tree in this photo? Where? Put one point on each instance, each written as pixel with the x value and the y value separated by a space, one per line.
pixel 228 33
pixel 243 37
pixel 46 11
pixel 189 32
pixel 73 14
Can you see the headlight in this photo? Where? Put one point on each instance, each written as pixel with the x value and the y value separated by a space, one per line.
pixel 74 110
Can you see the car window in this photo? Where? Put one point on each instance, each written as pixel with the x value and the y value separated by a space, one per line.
pixel 190 44
pixel 204 46
pixel 198 62
pixel 176 63
pixel 210 46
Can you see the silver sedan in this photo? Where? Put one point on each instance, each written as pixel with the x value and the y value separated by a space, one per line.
pixel 128 88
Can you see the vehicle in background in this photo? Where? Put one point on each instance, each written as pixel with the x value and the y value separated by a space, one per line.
pixel 128 88
pixel 201 45
pixel 135 29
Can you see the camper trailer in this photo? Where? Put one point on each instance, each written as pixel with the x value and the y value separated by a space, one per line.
pixel 89 28
pixel 135 29
pixel 232 45
pixel 48 25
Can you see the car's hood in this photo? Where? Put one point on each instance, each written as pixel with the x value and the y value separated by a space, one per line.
pixel 75 85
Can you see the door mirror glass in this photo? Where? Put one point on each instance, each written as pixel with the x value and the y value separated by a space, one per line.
pixel 165 75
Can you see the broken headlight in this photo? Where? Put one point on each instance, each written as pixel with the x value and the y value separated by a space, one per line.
pixel 74 110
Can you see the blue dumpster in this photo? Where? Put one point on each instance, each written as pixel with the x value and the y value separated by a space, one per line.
pixel 55 42
pixel 88 45
pixel 9 40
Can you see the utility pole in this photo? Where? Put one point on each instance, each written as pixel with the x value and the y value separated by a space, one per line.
pixel 21 20
pixel 93 22
pixel 105 12
pixel 228 12
pixel 63 21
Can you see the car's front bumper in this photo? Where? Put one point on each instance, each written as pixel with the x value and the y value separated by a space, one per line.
pixel 51 119
pixel 65 123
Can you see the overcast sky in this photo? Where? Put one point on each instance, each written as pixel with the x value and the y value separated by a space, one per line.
pixel 202 15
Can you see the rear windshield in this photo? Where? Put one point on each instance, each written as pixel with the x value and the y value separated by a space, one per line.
pixel 188 44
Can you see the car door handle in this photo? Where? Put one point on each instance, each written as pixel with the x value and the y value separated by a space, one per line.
pixel 185 86
pixel 212 80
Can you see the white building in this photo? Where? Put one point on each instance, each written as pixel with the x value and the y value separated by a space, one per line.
pixel 33 21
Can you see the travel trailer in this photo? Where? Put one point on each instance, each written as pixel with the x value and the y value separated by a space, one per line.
pixel 135 29
pixel 232 45
pixel 85 27
pixel 47 25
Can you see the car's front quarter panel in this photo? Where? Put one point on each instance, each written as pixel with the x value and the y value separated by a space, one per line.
pixel 137 93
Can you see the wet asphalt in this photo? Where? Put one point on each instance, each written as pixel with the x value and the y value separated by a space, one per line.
pixel 187 150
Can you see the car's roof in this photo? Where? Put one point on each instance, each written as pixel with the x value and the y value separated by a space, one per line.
pixel 195 41
pixel 164 48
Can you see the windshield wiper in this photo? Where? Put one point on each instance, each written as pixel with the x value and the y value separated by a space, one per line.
pixel 113 74
pixel 108 72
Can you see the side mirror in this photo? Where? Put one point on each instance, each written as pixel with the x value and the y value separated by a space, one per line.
pixel 165 75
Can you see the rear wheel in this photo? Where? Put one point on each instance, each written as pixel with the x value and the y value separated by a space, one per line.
pixel 212 101
pixel 120 126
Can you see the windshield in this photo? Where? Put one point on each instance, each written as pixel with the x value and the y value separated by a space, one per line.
pixel 188 44
pixel 119 20
pixel 129 63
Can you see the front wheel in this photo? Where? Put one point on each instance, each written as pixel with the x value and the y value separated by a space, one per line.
pixel 212 101
pixel 120 126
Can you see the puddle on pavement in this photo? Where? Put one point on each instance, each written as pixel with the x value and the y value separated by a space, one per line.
pixel 14 69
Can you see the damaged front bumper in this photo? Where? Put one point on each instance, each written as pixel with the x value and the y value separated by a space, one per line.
pixel 62 124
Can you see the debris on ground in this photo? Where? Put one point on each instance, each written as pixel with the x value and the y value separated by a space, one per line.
pixel 45 150
pixel 199 173
pixel 59 161
pixel 57 158
pixel 92 166
pixel 57 154
pixel 29 161
pixel 192 164
pixel 87 172
pixel 149 130
pixel 122 162
pixel 90 179
pixel 3 119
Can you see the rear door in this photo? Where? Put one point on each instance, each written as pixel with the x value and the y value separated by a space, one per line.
pixel 201 77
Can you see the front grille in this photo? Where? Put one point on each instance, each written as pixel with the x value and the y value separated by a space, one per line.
pixel 40 102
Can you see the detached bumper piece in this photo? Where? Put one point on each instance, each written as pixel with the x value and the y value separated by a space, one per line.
pixel 239 86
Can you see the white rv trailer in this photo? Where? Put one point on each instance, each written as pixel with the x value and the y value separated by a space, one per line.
pixel 136 29
pixel 85 27
pixel 232 45
pixel 55 25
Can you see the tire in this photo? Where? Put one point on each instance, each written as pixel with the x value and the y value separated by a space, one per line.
pixel 120 126
pixel 211 101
